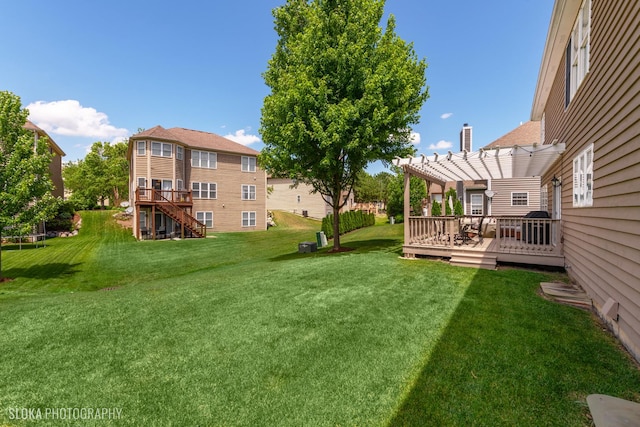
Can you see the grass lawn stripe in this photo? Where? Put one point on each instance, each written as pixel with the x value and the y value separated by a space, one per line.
pixel 241 330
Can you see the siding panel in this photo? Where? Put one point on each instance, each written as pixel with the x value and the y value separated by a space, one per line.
pixel 602 242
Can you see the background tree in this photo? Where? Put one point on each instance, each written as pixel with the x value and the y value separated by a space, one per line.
pixel 102 174
pixel 417 193
pixel 344 93
pixel 366 188
pixel 25 184
pixel 383 179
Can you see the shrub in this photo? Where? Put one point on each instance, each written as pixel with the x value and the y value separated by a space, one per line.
pixel 63 221
pixel 349 221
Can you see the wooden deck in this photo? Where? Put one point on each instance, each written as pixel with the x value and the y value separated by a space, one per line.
pixel 513 240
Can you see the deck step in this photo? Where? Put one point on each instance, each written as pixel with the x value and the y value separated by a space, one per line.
pixel 473 259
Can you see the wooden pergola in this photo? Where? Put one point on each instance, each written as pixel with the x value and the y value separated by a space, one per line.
pixel 494 163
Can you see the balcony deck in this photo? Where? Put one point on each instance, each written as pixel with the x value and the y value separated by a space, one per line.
pixel 518 240
pixel 149 196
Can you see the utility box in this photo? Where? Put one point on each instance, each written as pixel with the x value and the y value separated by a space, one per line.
pixel 307 247
pixel 321 239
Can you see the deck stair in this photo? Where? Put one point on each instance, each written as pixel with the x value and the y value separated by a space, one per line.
pixel 477 259
pixel 181 216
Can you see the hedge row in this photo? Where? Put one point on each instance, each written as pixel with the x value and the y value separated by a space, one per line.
pixel 349 221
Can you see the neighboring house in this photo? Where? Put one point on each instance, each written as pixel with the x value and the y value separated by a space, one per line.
pixel 516 196
pixel 509 196
pixel 588 97
pixel 300 199
pixel 55 167
pixel 183 180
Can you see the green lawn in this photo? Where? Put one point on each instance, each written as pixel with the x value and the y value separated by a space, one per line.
pixel 240 329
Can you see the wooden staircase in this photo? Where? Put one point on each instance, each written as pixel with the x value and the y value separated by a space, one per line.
pixel 477 259
pixel 181 216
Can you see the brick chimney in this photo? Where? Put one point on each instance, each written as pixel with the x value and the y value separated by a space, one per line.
pixel 465 137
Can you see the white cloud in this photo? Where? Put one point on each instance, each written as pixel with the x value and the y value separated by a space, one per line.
pixel 445 116
pixel 441 145
pixel 69 118
pixel 414 138
pixel 242 138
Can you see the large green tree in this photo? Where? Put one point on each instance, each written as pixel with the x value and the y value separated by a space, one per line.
pixel 25 184
pixel 344 93
pixel 102 174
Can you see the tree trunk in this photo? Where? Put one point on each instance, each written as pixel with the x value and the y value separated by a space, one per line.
pixel 336 226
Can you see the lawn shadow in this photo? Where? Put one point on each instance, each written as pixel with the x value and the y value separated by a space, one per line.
pixel 508 357
pixel 358 246
pixel 9 247
pixel 42 271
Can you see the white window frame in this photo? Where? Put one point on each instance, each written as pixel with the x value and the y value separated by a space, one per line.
pixel 248 164
pixel 248 219
pixel 544 198
pixel 248 192
pixel 208 189
pixel 179 152
pixel 142 148
pixel 161 149
pixel 473 208
pixel 517 197
pixel 578 51
pixel 143 219
pixel 583 178
pixel 179 185
pixel 211 161
pixel 205 217
pixel 142 180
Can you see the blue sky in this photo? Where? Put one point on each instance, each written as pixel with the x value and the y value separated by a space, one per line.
pixel 99 71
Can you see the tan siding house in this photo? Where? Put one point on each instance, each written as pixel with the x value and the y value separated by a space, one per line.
pixel 588 96
pixel 298 200
pixel 515 196
pixel 186 183
pixel 55 167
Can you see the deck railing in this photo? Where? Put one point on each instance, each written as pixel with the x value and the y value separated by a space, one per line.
pixel 432 230
pixel 512 234
pixel 528 235
pixel 159 196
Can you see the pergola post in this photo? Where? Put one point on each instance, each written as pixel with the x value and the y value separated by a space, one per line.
pixel 407 205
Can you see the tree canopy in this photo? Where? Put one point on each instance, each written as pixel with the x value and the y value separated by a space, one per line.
pixel 344 93
pixel 25 184
pixel 102 174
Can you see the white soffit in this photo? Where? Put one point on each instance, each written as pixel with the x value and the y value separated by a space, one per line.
pixel 493 163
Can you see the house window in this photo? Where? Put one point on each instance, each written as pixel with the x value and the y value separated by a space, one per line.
pixel 142 182
pixel 179 152
pixel 142 148
pixel 544 198
pixel 161 149
pixel 248 219
pixel 577 53
pixel 519 199
pixel 248 164
pixel 248 192
pixel 299 198
pixel 206 218
pixel 204 159
pixel 476 204
pixel 143 220
pixel 179 184
pixel 204 190
pixel 583 178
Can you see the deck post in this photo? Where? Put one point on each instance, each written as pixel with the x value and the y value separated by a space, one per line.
pixel 153 221
pixel 407 206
